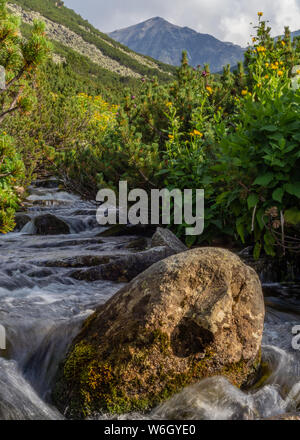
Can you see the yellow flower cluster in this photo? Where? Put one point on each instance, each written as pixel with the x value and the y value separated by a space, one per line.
pixel 275 66
pixel 196 133
pixel 103 114
pixel 209 89
pixel 261 49
pixel 245 93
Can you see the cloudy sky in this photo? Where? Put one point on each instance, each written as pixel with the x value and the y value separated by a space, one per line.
pixel 228 20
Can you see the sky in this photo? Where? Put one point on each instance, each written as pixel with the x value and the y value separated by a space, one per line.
pixel 228 20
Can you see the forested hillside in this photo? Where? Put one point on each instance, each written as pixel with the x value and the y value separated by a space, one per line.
pixel 86 51
pixel 235 134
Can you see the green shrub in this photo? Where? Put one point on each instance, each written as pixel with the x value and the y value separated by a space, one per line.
pixel 12 175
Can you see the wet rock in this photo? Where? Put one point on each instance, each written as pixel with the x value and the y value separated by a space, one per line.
pixel 21 220
pixel 80 261
pixel 50 183
pixel 67 243
pixel 49 224
pixel 121 230
pixel 193 315
pixel 124 268
pixel 85 212
pixel 140 244
pixel 41 273
pixel 165 237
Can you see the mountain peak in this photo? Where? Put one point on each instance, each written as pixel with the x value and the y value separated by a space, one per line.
pixel 157 19
pixel 164 41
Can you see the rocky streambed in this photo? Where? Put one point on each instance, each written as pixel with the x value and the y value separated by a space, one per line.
pixel 60 270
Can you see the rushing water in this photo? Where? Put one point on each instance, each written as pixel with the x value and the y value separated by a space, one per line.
pixel 42 309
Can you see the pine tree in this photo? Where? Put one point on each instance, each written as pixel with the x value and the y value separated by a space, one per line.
pixel 20 58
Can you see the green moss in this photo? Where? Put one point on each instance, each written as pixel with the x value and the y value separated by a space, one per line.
pixel 135 376
pixel 162 340
pixel 264 374
pixel 77 361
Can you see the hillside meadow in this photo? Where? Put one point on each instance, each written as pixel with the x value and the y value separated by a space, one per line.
pixel 235 134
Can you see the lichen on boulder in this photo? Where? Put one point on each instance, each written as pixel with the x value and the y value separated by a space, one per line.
pixel 193 315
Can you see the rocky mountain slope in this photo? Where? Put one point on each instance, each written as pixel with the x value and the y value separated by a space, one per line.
pixel 69 31
pixel 165 42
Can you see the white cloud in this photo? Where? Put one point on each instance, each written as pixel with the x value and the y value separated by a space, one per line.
pixel 228 20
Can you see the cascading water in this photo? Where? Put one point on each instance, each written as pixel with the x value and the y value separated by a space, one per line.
pixel 42 309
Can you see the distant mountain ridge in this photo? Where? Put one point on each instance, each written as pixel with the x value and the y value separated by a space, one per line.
pixel 165 42
pixel 296 34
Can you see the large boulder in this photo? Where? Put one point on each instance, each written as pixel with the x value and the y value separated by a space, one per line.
pixel 49 224
pixel 193 315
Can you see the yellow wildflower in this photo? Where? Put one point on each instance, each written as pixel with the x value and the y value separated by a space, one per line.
pixel 260 14
pixel 244 92
pixel 280 72
pixel 209 89
pixel 198 133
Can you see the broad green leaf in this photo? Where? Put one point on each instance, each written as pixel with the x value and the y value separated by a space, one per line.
pixel 257 250
pixel 269 249
pixel 259 218
pixel 269 128
pixel 278 195
pixel 161 172
pixel 293 189
pixel 269 239
pixel 264 179
pixel 241 231
pixel 292 216
pixel 252 200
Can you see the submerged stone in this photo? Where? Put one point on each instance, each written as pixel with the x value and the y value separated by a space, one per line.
pixel 49 224
pixel 21 220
